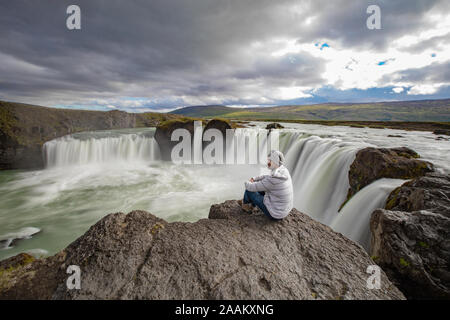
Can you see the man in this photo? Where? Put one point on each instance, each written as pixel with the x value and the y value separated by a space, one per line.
pixel 273 193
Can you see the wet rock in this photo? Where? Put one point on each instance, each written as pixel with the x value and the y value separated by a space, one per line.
pixel 164 132
pixel 442 132
pixel 274 125
pixel 231 255
pixel 430 192
pixel 371 164
pixel 413 248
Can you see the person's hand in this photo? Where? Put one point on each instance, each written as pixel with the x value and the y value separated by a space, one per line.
pixel 251 180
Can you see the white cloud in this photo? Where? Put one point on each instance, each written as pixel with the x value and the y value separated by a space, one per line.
pixel 398 89
pixel 423 89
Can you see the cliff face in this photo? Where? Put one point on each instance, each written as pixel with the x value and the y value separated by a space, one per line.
pixel 231 255
pixel 411 240
pixel 24 129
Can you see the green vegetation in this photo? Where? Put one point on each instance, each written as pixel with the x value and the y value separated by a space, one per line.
pixel 407 115
pixel 404 263
pixel 423 245
pixel 392 202
pixel 23 260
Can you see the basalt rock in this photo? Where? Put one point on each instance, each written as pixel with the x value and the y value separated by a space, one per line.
pixel 231 255
pixel 430 192
pixel 412 240
pixel 413 248
pixel 164 131
pixel 371 164
pixel 274 125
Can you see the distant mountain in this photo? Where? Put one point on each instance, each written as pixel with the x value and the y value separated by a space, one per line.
pixel 419 110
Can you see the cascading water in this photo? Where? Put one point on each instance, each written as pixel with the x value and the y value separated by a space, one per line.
pixel 101 147
pixel 319 169
pixel 354 218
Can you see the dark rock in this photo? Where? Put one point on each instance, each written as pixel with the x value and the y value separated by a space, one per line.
pixel 164 132
pixel 231 255
pixel 371 164
pixel 274 125
pixel 413 248
pixel 442 132
pixel 430 192
pixel 395 136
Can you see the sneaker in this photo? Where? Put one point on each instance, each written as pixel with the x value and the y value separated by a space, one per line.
pixel 247 207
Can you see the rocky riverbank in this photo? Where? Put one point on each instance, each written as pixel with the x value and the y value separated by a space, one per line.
pixel 231 255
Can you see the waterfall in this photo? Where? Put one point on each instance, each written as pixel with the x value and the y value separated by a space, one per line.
pixel 354 218
pixel 89 148
pixel 319 169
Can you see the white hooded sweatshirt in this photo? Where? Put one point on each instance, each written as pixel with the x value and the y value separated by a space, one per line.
pixel 279 193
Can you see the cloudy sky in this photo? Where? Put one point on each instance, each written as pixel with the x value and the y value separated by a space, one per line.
pixel 140 55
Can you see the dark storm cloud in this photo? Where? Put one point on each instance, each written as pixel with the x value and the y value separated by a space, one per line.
pixel 435 43
pixel 435 73
pixel 343 22
pixel 168 50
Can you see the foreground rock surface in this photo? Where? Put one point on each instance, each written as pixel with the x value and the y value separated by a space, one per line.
pixel 371 164
pixel 412 241
pixel 231 255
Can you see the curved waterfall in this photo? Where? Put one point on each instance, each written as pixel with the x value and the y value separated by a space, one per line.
pixel 354 218
pixel 89 148
pixel 318 165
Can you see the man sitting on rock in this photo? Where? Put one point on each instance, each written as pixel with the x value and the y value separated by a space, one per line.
pixel 273 193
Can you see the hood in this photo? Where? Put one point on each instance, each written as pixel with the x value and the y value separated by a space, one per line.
pixel 280 173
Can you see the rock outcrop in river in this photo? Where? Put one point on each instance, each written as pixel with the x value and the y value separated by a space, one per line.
pixel 231 255
pixel 411 240
pixel 164 131
pixel 371 164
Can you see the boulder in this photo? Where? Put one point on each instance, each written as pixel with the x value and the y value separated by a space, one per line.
pixel 230 255
pixel 371 164
pixel 274 125
pixel 430 192
pixel 164 132
pixel 413 248
pixel 442 132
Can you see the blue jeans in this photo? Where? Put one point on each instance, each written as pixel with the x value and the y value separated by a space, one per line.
pixel 256 199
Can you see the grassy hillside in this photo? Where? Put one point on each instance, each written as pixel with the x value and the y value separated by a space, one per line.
pixel 425 110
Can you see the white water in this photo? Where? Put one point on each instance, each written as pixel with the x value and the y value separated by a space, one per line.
pixel 354 218
pixel 89 175
pixel 85 149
